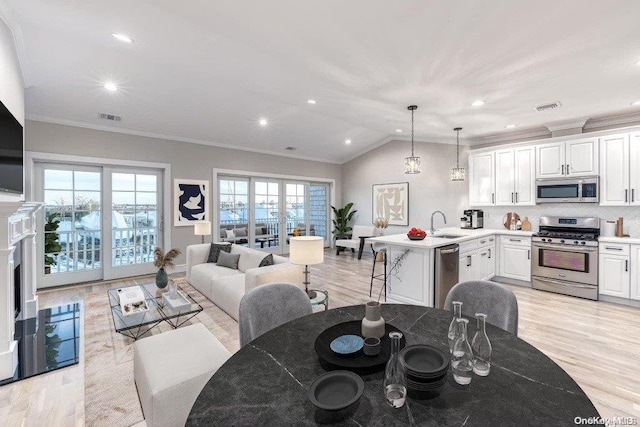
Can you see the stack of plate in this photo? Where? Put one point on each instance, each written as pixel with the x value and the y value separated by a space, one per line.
pixel 426 367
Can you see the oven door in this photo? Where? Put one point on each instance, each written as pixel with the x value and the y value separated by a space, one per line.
pixel 570 263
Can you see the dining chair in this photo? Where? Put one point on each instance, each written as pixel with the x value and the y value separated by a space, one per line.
pixel 480 296
pixel 269 306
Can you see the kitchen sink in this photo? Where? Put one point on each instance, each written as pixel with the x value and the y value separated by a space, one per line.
pixel 447 236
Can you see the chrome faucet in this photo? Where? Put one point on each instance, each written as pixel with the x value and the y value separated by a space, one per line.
pixel 433 230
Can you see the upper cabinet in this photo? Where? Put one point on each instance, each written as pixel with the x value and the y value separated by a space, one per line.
pixel 620 178
pixel 567 158
pixel 515 176
pixel 482 179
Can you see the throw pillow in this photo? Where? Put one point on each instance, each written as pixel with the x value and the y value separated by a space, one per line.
pixel 266 261
pixel 230 234
pixel 228 260
pixel 215 249
pixel 240 232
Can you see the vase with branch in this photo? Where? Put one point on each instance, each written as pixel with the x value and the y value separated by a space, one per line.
pixel 373 324
pixel 163 261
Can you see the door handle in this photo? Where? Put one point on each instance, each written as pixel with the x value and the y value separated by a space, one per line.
pixel 562 169
pixel 529 254
pixel 449 251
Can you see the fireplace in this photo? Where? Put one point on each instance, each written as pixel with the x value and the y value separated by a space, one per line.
pixel 18 280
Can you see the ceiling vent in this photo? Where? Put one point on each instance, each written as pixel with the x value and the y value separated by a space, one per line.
pixel 545 107
pixel 111 117
pixel 291 148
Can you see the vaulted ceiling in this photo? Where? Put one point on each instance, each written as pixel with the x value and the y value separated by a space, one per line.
pixel 207 71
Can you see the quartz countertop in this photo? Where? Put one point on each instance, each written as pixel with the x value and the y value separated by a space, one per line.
pixel 627 240
pixel 433 241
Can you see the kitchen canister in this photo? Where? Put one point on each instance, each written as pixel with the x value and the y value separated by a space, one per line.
pixel 608 228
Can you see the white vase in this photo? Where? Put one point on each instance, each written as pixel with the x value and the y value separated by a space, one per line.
pixel 373 322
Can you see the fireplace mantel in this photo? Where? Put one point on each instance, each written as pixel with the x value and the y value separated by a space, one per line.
pixel 17 222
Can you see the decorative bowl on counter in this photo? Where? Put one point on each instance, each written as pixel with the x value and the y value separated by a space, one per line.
pixel 416 236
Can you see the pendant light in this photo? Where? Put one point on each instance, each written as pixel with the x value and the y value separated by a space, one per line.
pixel 457 173
pixel 412 164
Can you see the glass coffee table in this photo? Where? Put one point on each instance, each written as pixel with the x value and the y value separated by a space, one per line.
pixel 137 324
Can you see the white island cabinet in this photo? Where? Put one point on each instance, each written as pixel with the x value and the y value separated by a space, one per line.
pixel 412 281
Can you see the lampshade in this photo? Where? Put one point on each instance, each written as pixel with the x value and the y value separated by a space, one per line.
pixel 202 228
pixel 306 250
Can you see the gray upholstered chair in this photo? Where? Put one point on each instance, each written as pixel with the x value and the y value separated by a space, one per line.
pixel 269 306
pixel 479 296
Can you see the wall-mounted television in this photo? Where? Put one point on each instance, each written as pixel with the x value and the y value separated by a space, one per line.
pixel 11 153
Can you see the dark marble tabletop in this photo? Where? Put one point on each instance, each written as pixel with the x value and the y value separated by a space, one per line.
pixel 266 382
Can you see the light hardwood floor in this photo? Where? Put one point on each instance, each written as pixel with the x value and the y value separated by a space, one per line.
pixel 597 343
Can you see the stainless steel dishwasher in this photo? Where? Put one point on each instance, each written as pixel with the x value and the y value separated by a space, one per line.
pixel 446 266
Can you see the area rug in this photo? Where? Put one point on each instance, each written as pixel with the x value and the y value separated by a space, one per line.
pixel 111 398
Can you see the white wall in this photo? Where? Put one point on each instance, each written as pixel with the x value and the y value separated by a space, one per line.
pixel 190 161
pixel 11 84
pixel 428 191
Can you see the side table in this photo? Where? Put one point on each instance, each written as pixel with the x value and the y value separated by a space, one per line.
pixel 322 297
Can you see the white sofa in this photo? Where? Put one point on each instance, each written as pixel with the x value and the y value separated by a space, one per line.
pixel 225 287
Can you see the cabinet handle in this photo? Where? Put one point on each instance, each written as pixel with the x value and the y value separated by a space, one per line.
pixel 493 199
pixel 529 254
pixel 626 193
pixel 511 197
pixel 633 196
pixel 482 242
pixel 562 169
pixel 516 197
pixel 483 254
pixel 609 248
pixel 626 265
pixel 468 260
pixel 515 240
pixel 567 168
pixel 489 253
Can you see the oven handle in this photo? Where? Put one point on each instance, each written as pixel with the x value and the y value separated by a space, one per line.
pixel 558 282
pixel 577 248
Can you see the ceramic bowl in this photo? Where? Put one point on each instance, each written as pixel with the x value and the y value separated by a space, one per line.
pixel 416 237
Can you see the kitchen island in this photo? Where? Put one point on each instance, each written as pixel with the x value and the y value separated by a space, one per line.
pixel 412 281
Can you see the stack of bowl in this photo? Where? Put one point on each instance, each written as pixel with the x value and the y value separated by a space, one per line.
pixel 426 367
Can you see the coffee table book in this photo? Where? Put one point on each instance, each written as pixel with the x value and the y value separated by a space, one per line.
pixel 132 300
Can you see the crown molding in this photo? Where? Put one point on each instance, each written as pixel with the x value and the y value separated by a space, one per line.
pixel 105 128
pixel 513 136
pixel 618 120
pixel 567 124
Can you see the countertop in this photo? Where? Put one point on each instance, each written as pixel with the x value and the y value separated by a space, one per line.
pixel 627 240
pixel 433 241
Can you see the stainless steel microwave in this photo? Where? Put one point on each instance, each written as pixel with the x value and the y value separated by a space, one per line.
pixel 568 190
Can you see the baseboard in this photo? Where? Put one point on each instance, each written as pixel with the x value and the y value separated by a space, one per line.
pixel 179 268
pixel 616 300
pixel 508 281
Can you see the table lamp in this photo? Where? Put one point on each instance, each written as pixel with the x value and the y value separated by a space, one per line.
pixel 202 228
pixel 306 250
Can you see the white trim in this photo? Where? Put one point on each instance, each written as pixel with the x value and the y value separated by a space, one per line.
pixel 568 124
pixel 156 135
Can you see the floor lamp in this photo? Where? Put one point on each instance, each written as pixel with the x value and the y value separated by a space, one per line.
pixel 306 250
pixel 202 228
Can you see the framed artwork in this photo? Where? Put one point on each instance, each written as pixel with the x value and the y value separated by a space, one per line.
pixel 391 201
pixel 190 201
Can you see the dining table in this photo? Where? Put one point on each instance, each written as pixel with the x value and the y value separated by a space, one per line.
pixel 267 381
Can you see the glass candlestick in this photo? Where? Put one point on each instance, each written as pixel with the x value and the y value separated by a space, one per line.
pixel 481 347
pixel 395 381
pixel 462 355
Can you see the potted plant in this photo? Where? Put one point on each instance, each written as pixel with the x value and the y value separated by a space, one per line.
pixel 51 241
pixel 343 215
pixel 161 261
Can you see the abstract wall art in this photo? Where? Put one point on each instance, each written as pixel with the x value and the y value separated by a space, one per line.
pixel 191 201
pixel 391 201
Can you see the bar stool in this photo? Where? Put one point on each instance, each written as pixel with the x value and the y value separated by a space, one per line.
pixel 379 248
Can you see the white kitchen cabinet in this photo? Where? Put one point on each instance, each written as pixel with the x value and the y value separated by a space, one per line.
pixel 620 178
pixel 477 259
pixel 613 275
pixel 515 176
pixel 515 258
pixel 567 158
pixel 482 179
pixel 468 263
pixel 487 257
pixel 634 266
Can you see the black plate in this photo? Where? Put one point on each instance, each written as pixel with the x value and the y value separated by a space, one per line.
pixel 336 390
pixel 359 360
pixel 424 360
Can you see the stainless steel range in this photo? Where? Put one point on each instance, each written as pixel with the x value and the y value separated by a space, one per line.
pixel 565 256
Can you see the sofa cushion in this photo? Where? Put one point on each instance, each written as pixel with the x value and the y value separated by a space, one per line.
pixel 266 261
pixel 240 232
pixel 230 234
pixel 202 274
pixel 228 260
pixel 250 259
pixel 215 249
pixel 227 293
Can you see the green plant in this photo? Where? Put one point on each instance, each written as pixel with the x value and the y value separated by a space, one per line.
pixel 342 218
pixel 51 239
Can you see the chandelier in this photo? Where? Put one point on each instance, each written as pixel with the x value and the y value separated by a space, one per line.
pixel 457 173
pixel 412 164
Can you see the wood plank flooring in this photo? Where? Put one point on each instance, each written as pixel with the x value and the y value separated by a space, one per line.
pixel 597 343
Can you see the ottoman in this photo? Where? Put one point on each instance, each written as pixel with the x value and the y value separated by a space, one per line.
pixel 172 368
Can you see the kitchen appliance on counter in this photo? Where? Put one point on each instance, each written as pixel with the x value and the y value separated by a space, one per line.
pixel 565 256
pixel 568 190
pixel 447 268
pixel 474 218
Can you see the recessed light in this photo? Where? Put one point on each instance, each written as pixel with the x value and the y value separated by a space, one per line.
pixel 347 141
pixel 635 103
pixel 399 130
pixel 478 103
pixel 511 126
pixel 638 62
pixel 122 37
pixel 111 87
pixel 263 122
pixel 311 101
